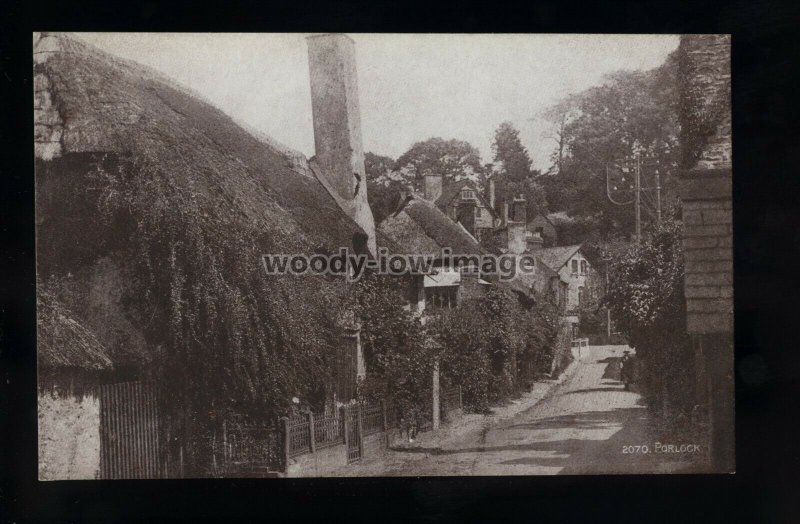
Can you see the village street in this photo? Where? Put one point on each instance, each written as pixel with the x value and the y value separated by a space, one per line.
pixel 578 426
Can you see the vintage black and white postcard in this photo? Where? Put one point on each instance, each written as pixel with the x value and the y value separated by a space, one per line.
pixel 337 255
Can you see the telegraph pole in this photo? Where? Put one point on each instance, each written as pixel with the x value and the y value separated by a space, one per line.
pixel 638 201
pixel 608 308
pixel 658 197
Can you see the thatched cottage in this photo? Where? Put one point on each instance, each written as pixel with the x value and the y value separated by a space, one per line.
pixel 153 210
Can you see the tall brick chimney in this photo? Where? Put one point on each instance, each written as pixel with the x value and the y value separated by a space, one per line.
pixel 433 187
pixel 339 159
pixel 517 226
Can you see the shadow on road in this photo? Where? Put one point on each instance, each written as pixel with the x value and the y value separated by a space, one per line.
pixel 613 368
pixel 590 454
pixel 595 390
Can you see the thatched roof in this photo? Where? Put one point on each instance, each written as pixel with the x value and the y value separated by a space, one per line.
pixel 201 198
pixel 63 342
pixel 112 105
pixel 422 228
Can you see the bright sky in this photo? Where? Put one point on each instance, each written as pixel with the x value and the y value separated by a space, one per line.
pixel 411 87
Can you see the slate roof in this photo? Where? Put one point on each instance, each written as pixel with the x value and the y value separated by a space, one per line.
pixel 546 217
pixel 451 190
pixel 556 257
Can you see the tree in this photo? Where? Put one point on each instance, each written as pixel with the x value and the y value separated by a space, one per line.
pixel 512 171
pixel 399 361
pixel 453 159
pixel 559 115
pixel 510 154
pixel 645 294
pixel 632 113
pixel 384 185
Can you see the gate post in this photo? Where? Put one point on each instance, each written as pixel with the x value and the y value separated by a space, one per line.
pixel 286 442
pixel 311 443
pixel 436 412
pixel 345 427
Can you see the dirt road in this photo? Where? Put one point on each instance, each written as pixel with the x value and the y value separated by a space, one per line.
pixel 588 424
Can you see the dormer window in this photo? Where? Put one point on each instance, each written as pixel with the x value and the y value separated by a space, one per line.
pixel 584 267
pixel 574 266
pixel 468 194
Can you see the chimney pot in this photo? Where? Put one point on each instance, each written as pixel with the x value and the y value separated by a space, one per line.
pixel 433 186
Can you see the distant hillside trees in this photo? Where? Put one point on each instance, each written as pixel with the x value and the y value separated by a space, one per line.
pixel 632 113
pixel 453 159
pixel 386 178
pixel 512 171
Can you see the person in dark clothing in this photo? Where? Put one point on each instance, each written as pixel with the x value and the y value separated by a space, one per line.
pixel 626 369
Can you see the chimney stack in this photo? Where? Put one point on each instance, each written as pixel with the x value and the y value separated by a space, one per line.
pixel 517 227
pixel 433 187
pixel 491 193
pixel 339 155
pixel 519 209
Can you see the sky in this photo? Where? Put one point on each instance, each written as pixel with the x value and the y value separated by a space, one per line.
pixel 411 86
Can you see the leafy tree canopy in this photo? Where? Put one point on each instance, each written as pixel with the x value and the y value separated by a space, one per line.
pixel 453 159
pixel 631 114
pixel 510 156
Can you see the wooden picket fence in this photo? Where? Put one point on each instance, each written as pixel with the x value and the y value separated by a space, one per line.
pixel 129 445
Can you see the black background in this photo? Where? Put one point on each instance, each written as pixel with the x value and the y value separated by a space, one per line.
pixel 767 236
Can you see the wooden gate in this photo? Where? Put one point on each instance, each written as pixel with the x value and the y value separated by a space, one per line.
pixel 128 431
pixel 354 443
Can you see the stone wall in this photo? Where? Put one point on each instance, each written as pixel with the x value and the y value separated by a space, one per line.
pixel 317 464
pixel 69 436
pixel 326 461
pixel 48 126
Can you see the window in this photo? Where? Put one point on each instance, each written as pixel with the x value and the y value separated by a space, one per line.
pixel 477 212
pixel 468 194
pixel 581 296
pixel 574 266
pixel 540 230
pixel 584 267
pixel 445 297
